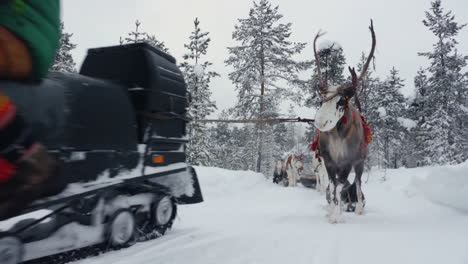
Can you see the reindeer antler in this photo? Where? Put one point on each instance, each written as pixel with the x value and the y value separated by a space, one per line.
pixel 354 78
pixel 371 54
pixel 322 83
pixel 366 66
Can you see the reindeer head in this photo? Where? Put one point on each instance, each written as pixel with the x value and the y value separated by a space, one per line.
pixel 336 98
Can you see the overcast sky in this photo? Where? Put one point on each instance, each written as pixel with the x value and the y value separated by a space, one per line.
pixel 400 32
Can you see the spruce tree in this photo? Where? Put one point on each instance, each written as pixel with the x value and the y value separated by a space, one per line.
pixel 370 93
pixel 332 61
pixel 395 109
pixel 446 121
pixel 137 36
pixel 282 142
pixel 368 86
pixel 63 61
pixel 384 111
pixel 198 76
pixel 419 111
pixel 264 71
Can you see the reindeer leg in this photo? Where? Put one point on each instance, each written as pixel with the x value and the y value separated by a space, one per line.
pixel 318 181
pixel 359 169
pixel 343 173
pixel 294 176
pixel 324 180
pixel 337 215
pixel 335 191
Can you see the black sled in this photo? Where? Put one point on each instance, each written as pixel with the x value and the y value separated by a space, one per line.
pixel 117 130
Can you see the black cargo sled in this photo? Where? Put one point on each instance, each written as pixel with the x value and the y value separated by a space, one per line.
pixel 118 131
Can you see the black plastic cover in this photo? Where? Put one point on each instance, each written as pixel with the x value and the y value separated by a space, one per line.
pixel 74 112
pixel 141 66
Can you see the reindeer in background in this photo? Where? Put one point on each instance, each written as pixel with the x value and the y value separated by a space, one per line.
pixel 320 174
pixel 342 138
pixel 292 167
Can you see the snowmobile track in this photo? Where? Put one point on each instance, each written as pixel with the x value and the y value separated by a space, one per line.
pixel 60 200
pixel 96 250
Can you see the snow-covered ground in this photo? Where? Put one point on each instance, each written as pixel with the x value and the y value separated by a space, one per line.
pixel 415 216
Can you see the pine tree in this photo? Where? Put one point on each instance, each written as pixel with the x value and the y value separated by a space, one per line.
pixel 446 121
pixel 367 85
pixel 281 139
pixel 384 110
pixel 418 111
pixel 332 61
pixel 198 77
pixel 233 147
pixel 63 61
pixel 396 111
pixel 222 151
pixel 369 94
pixel 264 71
pixel 137 36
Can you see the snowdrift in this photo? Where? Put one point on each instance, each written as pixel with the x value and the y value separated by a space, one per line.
pixel 446 185
pixel 443 185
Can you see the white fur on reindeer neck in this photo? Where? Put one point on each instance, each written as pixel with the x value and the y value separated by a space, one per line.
pixel 329 114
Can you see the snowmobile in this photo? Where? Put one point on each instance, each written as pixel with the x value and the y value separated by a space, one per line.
pixel 117 129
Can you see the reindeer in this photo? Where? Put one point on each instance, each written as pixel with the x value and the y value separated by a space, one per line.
pixel 320 172
pixel 341 138
pixel 292 167
pixel 278 172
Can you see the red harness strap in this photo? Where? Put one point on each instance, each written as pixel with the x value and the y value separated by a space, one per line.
pixel 7 110
pixel 7 169
pixel 314 145
pixel 7 115
pixel 367 132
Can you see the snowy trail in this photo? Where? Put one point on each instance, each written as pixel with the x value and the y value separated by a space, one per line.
pixel 246 219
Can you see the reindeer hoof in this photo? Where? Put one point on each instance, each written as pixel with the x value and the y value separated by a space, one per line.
pixel 335 219
pixel 335 215
pixel 359 209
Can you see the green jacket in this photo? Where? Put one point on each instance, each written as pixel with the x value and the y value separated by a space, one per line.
pixel 37 22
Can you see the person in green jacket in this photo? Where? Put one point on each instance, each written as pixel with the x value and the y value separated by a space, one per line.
pixel 29 38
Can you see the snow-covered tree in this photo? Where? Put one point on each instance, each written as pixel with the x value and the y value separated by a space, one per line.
pixel 445 124
pixel 63 61
pixel 384 111
pixel 198 76
pixel 281 139
pixel 233 146
pixel 332 62
pixel 368 86
pixel 264 71
pixel 137 36
pixel 418 111
pixel 395 123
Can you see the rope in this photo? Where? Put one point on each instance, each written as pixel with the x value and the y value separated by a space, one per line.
pixel 274 120
pixel 164 116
